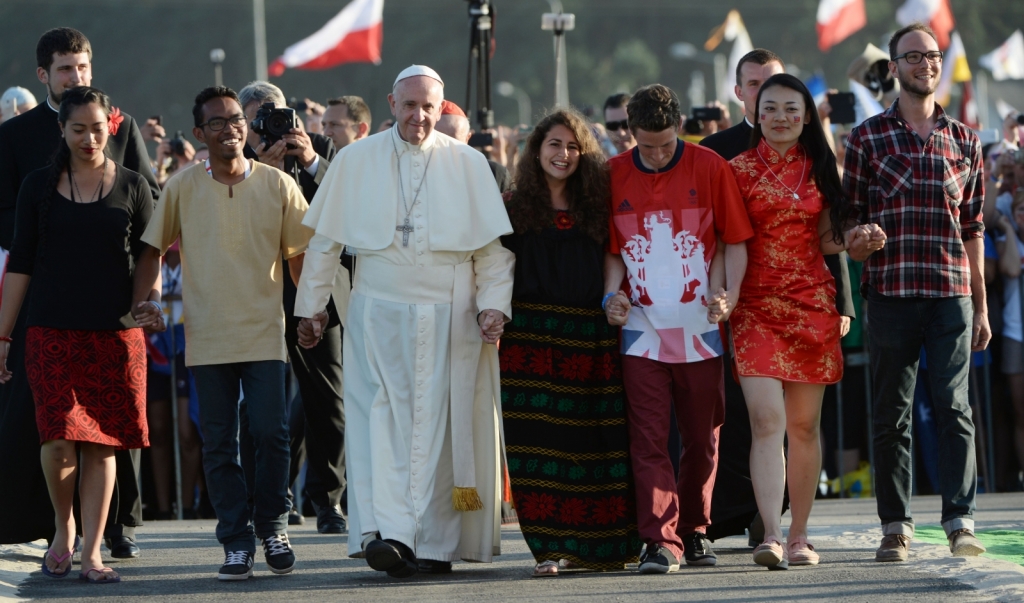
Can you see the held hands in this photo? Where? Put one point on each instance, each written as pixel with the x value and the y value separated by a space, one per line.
pixel 721 305
pixel 492 325
pixel 150 316
pixel 311 330
pixel 617 309
pixel 862 241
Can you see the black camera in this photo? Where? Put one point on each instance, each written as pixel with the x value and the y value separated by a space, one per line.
pixel 272 123
pixel 177 144
pixel 706 114
pixel 1020 119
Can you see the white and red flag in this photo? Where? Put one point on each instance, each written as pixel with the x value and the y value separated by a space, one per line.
pixel 838 20
pixel 354 35
pixel 934 13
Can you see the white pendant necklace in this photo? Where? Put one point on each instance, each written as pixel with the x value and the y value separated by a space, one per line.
pixel 792 191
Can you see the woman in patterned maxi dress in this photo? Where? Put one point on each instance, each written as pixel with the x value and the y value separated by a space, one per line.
pixel 562 398
pixel 785 325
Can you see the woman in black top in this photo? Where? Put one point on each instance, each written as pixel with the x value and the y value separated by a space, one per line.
pixel 78 230
pixel 561 389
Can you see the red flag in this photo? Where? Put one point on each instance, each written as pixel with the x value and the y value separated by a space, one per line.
pixel 838 20
pixel 937 14
pixel 354 35
pixel 969 107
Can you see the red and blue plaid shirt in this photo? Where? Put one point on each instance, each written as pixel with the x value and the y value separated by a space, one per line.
pixel 927 197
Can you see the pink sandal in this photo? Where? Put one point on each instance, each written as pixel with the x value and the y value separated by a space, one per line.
pixel 801 552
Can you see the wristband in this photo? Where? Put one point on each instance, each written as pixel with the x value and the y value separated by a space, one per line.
pixel 604 301
pixel 157 304
pixel 7 339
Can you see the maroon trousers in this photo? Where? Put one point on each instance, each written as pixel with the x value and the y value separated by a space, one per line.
pixel 667 507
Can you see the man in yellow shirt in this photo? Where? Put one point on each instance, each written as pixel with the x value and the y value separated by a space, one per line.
pixel 236 219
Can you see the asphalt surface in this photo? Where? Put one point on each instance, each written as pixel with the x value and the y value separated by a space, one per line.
pixel 180 560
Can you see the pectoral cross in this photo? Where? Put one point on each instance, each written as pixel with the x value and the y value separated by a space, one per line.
pixel 405 229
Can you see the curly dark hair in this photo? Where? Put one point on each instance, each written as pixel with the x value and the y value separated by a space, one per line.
pixel 653 108
pixel 208 94
pixel 586 189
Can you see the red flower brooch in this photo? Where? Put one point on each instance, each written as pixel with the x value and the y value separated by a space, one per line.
pixel 563 220
pixel 114 120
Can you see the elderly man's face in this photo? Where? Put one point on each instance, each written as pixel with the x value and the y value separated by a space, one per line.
pixel 416 105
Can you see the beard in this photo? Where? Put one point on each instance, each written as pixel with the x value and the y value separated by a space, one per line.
pixel 56 96
pixel 913 86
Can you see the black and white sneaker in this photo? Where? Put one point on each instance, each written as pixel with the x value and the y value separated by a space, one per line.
pixel 658 560
pixel 697 550
pixel 278 553
pixel 237 566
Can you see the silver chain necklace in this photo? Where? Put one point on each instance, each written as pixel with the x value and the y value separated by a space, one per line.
pixel 803 172
pixel 99 189
pixel 405 228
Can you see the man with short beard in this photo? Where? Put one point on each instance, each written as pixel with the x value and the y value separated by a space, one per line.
pixel 27 142
pixel 921 285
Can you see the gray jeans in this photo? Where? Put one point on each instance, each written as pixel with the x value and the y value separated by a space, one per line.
pixel 897 328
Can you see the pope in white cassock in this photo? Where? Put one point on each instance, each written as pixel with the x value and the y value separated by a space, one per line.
pixel 431 294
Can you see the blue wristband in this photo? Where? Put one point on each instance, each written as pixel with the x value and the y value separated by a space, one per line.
pixel 604 301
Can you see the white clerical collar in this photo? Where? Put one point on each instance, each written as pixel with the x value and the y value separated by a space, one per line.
pixel 748 121
pixel 404 146
pixel 49 105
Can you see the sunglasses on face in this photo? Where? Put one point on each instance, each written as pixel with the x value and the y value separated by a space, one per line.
pixel 615 126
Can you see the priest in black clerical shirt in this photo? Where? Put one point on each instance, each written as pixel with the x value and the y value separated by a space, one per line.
pixel 27 142
pixel 733 506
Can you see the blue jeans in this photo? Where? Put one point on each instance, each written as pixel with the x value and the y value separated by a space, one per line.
pixel 218 387
pixel 897 328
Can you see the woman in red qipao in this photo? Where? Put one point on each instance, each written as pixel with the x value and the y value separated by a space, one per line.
pixel 785 325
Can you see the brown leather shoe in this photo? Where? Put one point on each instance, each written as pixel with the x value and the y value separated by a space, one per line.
pixel 963 543
pixel 894 547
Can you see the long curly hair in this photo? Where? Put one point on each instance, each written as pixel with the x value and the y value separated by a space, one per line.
pixel 60 162
pixel 586 189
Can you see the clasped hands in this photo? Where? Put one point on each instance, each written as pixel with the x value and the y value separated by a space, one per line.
pixel 863 240
pixel 150 316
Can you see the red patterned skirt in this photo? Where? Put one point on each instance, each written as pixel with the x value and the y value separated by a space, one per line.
pixel 89 386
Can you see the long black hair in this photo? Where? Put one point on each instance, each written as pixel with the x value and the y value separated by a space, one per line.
pixel 61 161
pixel 823 160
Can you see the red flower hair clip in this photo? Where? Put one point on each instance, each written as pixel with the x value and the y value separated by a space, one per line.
pixel 114 120
pixel 563 220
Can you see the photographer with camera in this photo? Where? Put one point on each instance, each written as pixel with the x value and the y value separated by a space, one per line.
pixel 276 138
pixel 172 156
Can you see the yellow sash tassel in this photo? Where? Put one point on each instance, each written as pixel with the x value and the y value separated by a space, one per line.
pixel 466 499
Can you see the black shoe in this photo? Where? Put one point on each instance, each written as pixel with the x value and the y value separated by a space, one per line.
pixel 278 554
pixel 658 560
pixel 329 520
pixel 295 519
pixel 237 566
pixel 429 566
pixel 697 550
pixel 122 547
pixel 392 557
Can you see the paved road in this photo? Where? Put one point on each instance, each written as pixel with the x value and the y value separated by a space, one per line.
pixel 180 560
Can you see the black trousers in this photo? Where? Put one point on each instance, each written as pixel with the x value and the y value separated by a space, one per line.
pixel 319 373
pixel 321 437
pixel 25 504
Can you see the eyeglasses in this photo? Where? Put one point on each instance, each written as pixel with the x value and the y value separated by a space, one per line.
pixel 219 123
pixel 615 126
pixel 914 57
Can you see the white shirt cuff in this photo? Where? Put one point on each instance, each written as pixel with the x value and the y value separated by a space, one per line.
pixel 311 170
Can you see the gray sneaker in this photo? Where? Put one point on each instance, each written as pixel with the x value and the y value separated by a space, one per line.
pixel 894 547
pixel 963 543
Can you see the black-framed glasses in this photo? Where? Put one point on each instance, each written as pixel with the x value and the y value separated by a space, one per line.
pixel 615 126
pixel 914 57
pixel 219 123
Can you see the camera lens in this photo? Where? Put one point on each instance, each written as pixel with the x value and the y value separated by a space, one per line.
pixel 1020 119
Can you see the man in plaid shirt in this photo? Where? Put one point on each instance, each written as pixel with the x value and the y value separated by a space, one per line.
pixel 917 173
